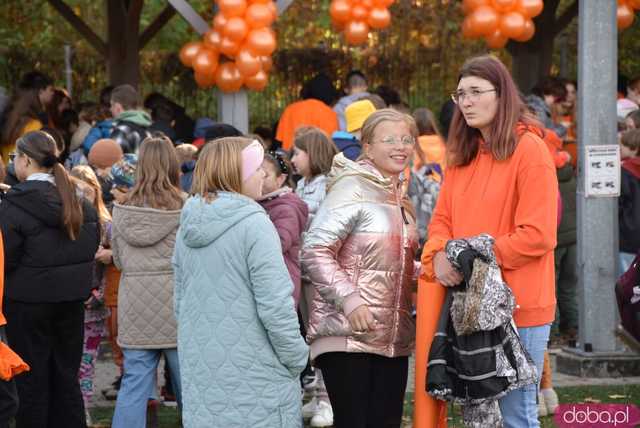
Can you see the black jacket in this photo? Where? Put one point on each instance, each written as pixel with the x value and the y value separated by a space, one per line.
pixel 42 265
pixel 629 206
pixel 129 135
pixel 567 228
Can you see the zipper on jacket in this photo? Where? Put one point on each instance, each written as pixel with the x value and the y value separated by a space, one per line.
pixel 403 241
pixel 404 215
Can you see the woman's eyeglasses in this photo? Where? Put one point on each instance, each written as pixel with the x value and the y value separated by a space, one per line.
pixel 472 95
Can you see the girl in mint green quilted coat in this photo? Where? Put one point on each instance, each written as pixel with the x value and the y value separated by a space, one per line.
pixel 239 340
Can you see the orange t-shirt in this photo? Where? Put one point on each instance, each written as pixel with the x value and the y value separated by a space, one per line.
pixel 309 112
pixel 3 320
pixel 434 151
pixel 515 201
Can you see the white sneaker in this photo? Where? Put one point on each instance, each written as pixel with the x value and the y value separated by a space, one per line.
pixel 310 409
pixel 542 407
pixel 550 400
pixel 323 416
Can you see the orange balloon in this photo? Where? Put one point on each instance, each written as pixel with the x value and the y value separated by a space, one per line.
pixel 229 47
pixel 625 16
pixel 340 10
pixel 205 80
pixel 484 20
pixel 261 42
pixel 382 3
pixel 236 29
pixel 367 4
pixel 359 13
pixel 257 82
pixel 528 32
pixel 512 24
pixel 258 15
pixel 530 8
pixel 219 22
pixel 248 64
pixel 468 31
pixel 259 1
pixel 356 32
pixel 274 9
pixel 267 63
pixel 504 6
pixel 379 18
pixel 468 6
pixel 188 53
pixel 339 26
pixel 206 61
pixel 231 8
pixel 228 77
pixel 212 39
pixel 634 3
pixel 496 40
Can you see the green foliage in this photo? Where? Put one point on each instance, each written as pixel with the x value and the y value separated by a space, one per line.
pixel 419 54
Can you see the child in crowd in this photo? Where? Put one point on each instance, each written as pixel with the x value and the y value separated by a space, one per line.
pixel 95 311
pixel 629 201
pixel 187 155
pixel 355 114
pixel 313 154
pixel 231 279
pixel 287 212
pixel 122 176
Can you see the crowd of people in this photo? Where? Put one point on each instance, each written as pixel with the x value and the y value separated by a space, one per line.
pixel 275 272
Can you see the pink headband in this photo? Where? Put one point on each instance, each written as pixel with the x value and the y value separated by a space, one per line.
pixel 252 157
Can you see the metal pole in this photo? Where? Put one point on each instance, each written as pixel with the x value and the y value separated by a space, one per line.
pixel 597 217
pixel 67 68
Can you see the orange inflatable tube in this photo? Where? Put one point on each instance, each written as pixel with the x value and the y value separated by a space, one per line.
pixel 427 412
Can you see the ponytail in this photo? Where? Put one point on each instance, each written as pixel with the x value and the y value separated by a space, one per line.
pixel 41 147
pixel 71 207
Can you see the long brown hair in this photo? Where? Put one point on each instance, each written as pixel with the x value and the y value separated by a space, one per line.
pixel 157 176
pixel 463 141
pixel 26 106
pixel 219 167
pixel 41 149
pixel 85 174
pixel 426 122
pixel 320 148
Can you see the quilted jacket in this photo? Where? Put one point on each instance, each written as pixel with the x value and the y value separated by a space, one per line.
pixel 142 243
pixel 312 193
pixel 360 250
pixel 239 340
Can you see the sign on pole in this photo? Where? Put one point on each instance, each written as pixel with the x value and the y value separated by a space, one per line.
pixel 602 171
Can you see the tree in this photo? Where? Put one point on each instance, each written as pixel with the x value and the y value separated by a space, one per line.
pixel 532 60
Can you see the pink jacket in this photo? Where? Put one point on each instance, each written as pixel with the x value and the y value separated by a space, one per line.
pixel 359 250
pixel 289 215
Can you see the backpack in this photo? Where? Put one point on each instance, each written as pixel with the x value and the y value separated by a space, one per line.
pixel 628 297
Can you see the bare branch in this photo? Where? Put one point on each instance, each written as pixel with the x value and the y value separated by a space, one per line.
pixel 565 19
pixel 149 33
pixel 79 25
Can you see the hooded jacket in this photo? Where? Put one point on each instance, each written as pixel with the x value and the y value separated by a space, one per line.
pixel 239 339
pixel 347 144
pixel 99 131
pixel 42 265
pixel 629 206
pixel 130 129
pixel 289 215
pixel 142 244
pixel 358 251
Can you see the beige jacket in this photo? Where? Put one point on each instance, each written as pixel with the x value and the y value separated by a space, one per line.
pixel 143 241
pixel 360 250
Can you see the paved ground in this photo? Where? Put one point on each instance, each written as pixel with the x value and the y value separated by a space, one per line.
pixel 106 372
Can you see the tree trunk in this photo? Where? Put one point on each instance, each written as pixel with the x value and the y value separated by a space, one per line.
pixel 532 60
pixel 123 46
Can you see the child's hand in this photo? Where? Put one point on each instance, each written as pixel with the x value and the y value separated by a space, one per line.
pixel 104 256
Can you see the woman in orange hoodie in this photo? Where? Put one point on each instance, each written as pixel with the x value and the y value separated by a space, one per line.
pixel 500 180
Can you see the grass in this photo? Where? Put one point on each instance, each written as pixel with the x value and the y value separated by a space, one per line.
pixel 624 394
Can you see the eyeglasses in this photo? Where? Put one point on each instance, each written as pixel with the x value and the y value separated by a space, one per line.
pixel 407 141
pixel 472 95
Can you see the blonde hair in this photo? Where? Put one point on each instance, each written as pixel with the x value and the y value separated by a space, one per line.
pixel 186 152
pixel 386 115
pixel 219 167
pixel 157 176
pixel 86 175
pixel 320 148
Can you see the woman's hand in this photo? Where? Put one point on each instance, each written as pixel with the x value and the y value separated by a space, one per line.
pixel 361 319
pixel 446 274
pixel 104 256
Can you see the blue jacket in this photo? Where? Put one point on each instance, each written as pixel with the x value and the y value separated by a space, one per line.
pixel 347 144
pixel 100 130
pixel 239 341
